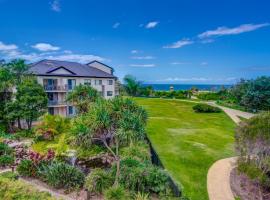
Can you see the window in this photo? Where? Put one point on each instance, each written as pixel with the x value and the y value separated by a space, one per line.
pixel 110 82
pixel 109 93
pixel 71 84
pixel 51 111
pixel 70 110
pixel 98 82
pixel 87 82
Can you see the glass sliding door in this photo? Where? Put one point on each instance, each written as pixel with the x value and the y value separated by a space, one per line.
pixel 71 84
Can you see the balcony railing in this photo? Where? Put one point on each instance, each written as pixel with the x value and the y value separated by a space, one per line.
pixel 55 87
pixel 56 102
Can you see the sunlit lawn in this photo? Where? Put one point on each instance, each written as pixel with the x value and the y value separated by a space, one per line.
pixel 188 143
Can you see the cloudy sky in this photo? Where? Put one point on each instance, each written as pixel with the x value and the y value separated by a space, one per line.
pixel 173 41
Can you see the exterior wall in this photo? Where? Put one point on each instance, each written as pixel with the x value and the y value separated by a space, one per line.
pixel 101 67
pixel 58 92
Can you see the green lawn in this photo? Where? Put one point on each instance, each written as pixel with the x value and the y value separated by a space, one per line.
pixel 188 143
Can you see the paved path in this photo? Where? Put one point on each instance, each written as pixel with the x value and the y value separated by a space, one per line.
pixel 218 177
pixel 233 114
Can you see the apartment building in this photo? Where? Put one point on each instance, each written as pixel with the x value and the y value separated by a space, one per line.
pixel 60 77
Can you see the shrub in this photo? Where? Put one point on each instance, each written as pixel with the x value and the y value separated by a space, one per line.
pixel 9 175
pixel 208 96
pixel 6 160
pixel 5 149
pixel 253 145
pixel 50 126
pixel 204 108
pixel 143 177
pixel 27 168
pixel 139 151
pixel 15 189
pixel 98 180
pixel 116 193
pixel 62 175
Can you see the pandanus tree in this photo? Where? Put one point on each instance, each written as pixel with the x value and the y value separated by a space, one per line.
pixel 82 96
pixel 115 123
pixel 131 85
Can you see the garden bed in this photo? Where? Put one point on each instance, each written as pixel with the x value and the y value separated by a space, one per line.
pixel 246 189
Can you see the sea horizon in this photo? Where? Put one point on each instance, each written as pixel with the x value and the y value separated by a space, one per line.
pixel 178 86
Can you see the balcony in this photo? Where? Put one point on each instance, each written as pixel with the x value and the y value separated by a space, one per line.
pixel 56 88
pixel 54 103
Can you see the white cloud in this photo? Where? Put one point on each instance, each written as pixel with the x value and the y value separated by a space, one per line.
pixel 179 44
pixel 142 57
pixel 134 51
pixel 81 58
pixel 45 47
pixel 220 31
pixel 179 63
pixel 151 24
pixel 7 47
pixel 116 25
pixel 207 41
pixel 142 65
pixel 55 5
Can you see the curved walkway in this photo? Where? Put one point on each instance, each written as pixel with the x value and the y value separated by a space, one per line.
pixel 218 177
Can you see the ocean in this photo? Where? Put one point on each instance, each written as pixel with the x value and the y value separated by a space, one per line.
pixel 207 87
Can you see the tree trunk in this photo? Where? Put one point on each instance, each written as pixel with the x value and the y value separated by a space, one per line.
pixel 116 181
pixel 19 123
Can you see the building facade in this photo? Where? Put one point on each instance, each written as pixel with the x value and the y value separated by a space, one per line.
pixel 60 77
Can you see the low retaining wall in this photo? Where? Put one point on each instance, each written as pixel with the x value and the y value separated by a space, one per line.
pixel 156 161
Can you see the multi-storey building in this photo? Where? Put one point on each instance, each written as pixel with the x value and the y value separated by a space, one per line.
pixel 60 77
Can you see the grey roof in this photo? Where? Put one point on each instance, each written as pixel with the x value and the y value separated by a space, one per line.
pixel 47 67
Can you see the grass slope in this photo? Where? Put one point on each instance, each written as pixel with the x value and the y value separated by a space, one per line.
pixel 188 143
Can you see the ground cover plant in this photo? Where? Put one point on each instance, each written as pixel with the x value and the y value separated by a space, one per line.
pixel 253 146
pixel 6 155
pixel 11 188
pixel 188 143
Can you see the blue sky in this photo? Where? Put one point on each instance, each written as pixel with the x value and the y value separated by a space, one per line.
pixel 173 41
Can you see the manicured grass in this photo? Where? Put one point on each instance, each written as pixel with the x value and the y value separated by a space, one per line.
pixel 188 143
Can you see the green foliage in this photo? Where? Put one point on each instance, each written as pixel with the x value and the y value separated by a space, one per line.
pixel 6 160
pixel 62 175
pixel 83 96
pixel 116 193
pixel 5 149
pixel 131 85
pixel 98 180
pixel 141 196
pixel 208 96
pixel 32 100
pixel 9 175
pixel 253 145
pixel 205 108
pixel 179 94
pixel 27 168
pixel 11 189
pixel 143 177
pixel 52 125
pixel 139 151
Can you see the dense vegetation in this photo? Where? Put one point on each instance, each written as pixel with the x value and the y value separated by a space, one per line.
pixel 188 143
pixel 11 189
pixel 251 95
pixel 28 102
pixel 253 146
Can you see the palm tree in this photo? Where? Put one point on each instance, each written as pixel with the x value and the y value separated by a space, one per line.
pixel 82 96
pixel 131 85
pixel 19 68
pixel 114 122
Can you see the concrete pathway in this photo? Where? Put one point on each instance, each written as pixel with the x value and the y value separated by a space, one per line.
pixel 218 179
pixel 232 113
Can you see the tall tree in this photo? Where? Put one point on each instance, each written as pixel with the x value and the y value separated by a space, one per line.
pixel 32 99
pixel 82 96
pixel 113 122
pixel 19 68
pixel 131 85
